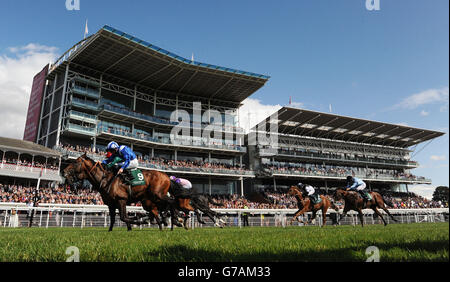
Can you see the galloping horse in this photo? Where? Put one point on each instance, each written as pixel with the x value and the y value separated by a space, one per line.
pixel 354 202
pixel 115 194
pixel 305 205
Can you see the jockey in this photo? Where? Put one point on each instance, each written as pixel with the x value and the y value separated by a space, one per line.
pixel 356 184
pixel 184 187
pixel 184 183
pixel 127 156
pixel 310 190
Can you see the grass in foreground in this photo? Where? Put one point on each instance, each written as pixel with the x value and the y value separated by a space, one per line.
pixel 399 242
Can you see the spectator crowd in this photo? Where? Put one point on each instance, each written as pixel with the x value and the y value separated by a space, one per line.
pixel 341 171
pixel 162 163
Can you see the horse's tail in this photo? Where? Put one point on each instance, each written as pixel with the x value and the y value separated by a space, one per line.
pixel 388 203
pixel 332 204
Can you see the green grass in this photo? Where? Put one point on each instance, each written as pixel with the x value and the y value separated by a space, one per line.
pixel 396 242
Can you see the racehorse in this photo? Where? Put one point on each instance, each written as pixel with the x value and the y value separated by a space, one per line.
pixel 115 194
pixel 187 201
pixel 354 202
pixel 305 205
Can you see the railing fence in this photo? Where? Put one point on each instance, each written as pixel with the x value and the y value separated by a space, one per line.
pixel 82 216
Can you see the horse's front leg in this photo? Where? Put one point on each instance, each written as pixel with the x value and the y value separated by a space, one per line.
pixel 297 214
pixel 124 216
pixel 112 217
pixel 340 217
pixel 313 217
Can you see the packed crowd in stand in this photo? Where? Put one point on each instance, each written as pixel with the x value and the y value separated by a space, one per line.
pixel 341 171
pixel 25 163
pixel 57 195
pixel 161 163
pixel 278 200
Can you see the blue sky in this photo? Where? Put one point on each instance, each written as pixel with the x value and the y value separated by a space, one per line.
pixel 389 65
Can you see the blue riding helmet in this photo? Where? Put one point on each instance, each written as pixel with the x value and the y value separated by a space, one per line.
pixel 112 146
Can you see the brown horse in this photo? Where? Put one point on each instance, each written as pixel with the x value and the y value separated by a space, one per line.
pixel 115 194
pixel 354 202
pixel 305 205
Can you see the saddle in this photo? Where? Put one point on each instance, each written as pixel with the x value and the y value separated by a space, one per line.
pixel 315 198
pixel 364 195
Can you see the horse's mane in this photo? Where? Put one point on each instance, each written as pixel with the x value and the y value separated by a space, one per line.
pixel 85 156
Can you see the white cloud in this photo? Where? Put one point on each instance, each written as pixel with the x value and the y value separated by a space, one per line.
pixel 425 191
pixel 431 96
pixel 252 112
pixel 402 124
pixel 438 158
pixel 424 113
pixel 16 77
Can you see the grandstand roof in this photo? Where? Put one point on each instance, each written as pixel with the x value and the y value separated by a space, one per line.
pixel 16 145
pixel 294 121
pixel 121 55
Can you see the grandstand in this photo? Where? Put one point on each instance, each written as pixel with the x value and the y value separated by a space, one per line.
pixel 323 148
pixel 114 86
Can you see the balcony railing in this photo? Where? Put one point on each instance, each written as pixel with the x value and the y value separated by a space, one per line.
pixel 157 120
pixel 82 116
pixel 343 175
pixel 86 92
pixel 176 168
pixel 81 129
pixel 84 104
pixel 144 137
pixel 316 156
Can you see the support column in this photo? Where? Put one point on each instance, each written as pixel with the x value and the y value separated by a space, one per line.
pixel 3 159
pixel 42 112
pixel 242 186
pixel 61 107
pixel 210 188
pixel 51 110
pixel 274 184
pixel 154 106
pixel 32 162
pixel 18 160
pixel 134 98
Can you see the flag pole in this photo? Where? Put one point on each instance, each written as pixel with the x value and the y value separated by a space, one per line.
pixel 86 31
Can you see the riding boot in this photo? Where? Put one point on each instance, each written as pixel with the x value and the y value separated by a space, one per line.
pixel 127 177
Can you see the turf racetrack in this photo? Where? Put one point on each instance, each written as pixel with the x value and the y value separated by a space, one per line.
pixel 396 242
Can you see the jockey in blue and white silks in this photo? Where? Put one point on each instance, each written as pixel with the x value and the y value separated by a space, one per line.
pixel 125 153
pixel 356 184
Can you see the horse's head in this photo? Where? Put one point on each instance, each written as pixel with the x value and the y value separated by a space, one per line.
pixel 295 191
pixel 339 194
pixel 75 172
